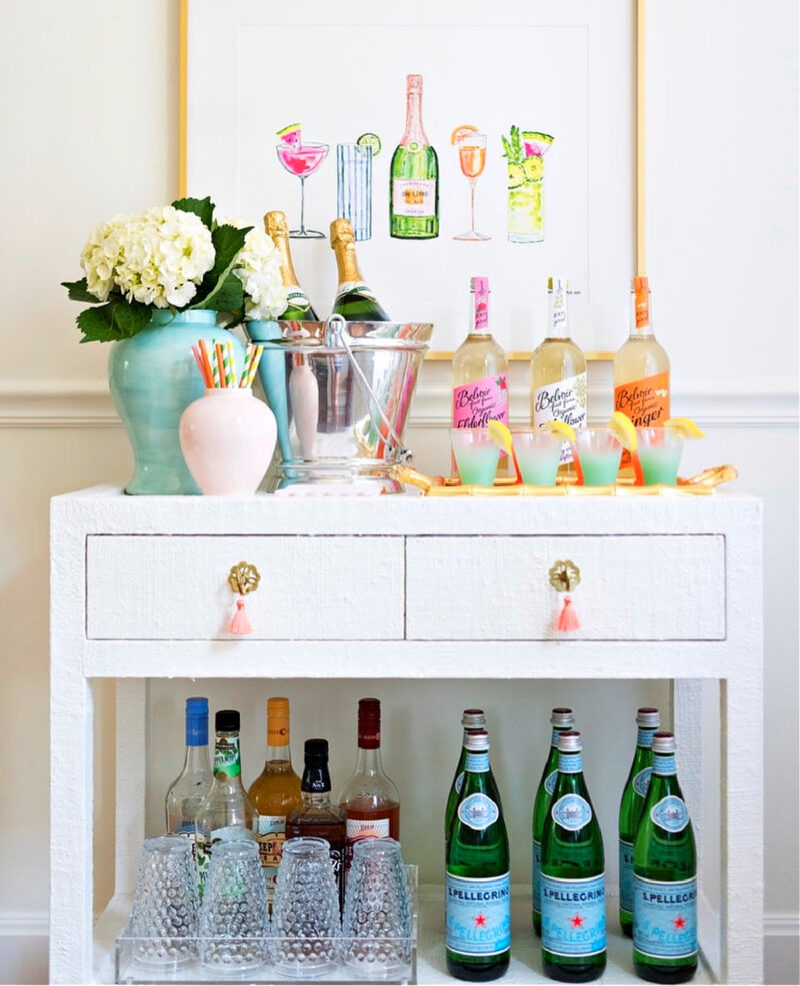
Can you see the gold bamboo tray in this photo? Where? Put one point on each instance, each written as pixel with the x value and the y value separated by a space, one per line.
pixel 703 484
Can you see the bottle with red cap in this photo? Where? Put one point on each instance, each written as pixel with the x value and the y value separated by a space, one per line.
pixel 369 798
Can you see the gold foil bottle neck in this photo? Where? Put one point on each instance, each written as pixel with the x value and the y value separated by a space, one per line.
pixel 343 244
pixel 277 228
pixel 275 224
pixel 342 230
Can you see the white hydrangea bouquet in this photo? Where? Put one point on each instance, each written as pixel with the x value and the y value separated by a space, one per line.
pixel 177 257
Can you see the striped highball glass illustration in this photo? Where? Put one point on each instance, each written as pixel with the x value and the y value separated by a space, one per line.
pixel 354 187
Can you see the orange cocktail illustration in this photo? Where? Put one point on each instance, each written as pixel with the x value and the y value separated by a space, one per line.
pixel 472 160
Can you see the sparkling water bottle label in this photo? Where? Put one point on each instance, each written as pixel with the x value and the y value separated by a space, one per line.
pixel 665 918
pixel 478 812
pixel 478 914
pixel 664 764
pixel 641 782
pixel 477 763
pixel 625 875
pixel 570 763
pixel 562 401
pixel 414 196
pixel 644 737
pixel 670 814
pixel 537 875
pixel 574 915
pixel 271 837
pixel 474 404
pixel 572 812
pixel 550 782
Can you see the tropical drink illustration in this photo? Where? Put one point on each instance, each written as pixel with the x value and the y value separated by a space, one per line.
pixel 300 159
pixel 471 146
pixel 524 151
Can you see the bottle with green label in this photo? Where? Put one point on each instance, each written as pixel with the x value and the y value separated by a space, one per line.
pixel 630 811
pixel 414 175
pixel 664 877
pixel 561 720
pixel 573 895
pixel 477 879
pixel 473 721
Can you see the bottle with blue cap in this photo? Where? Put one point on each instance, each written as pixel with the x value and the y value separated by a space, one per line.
pixel 188 792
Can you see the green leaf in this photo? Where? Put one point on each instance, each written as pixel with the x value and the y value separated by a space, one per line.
pixel 78 291
pixel 228 297
pixel 117 319
pixel 204 208
pixel 228 241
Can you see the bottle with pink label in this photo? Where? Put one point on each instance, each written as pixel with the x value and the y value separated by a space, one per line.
pixel 480 370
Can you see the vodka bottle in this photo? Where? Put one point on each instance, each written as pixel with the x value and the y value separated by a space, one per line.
pixel 354 300
pixel 188 792
pixel 414 175
pixel 630 811
pixel 298 307
pixel 473 721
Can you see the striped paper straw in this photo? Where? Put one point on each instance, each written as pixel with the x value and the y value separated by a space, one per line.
pixel 254 366
pixel 199 360
pixel 221 364
pixel 248 355
pixel 231 376
pixel 215 365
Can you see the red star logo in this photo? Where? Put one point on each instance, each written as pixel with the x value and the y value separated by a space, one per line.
pixel 480 921
pixel 577 921
pixel 502 383
pixel 679 922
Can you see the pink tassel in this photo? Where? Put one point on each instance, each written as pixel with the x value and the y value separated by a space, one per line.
pixel 240 624
pixel 568 618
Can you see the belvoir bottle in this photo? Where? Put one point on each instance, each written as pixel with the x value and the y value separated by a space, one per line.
pixel 354 300
pixel 473 721
pixel 630 811
pixel 414 175
pixel 298 307
pixel 477 881
pixel 573 877
pixel 664 877
pixel 561 720
pixel 188 792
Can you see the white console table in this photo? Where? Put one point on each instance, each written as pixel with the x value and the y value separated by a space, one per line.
pixel 670 588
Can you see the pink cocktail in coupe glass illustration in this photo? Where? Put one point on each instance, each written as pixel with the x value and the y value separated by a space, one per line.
pixel 301 159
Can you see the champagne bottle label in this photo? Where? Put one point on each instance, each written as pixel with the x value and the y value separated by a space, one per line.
pixel 474 404
pixel 297 300
pixel 626 875
pixel 478 811
pixel 227 762
pixel 354 287
pixel 573 915
pixel 414 196
pixel 645 401
pixel 550 782
pixel 562 401
pixel 271 837
pixel 537 875
pixel 665 918
pixel 478 914
pixel 670 814
pixel 641 782
pixel 572 812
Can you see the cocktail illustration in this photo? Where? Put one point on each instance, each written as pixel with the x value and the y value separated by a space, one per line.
pixel 524 152
pixel 471 147
pixel 301 160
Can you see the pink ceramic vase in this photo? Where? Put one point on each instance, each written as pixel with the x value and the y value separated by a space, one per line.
pixel 227 439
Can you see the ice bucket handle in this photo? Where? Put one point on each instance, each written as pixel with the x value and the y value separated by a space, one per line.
pixel 336 335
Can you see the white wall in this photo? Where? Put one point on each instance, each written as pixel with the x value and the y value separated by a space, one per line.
pixel 89 127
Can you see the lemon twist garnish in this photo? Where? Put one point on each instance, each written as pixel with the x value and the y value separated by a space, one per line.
pixel 622 428
pixel 685 427
pixel 501 434
pixel 560 429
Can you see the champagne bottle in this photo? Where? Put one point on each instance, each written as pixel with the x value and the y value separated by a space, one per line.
pixel 477 882
pixel 664 877
pixel 414 175
pixel 187 793
pixel 298 307
pixel 558 372
pixel 473 721
pixel 561 720
pixel 630 811
pixel 354 300
pixel 573 879
pixel 275 792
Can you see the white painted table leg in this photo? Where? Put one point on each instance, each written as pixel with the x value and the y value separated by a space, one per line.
pixel 131 780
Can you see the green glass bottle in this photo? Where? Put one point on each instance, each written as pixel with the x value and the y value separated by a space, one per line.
pixel 477 879
pixel 414 175
pixel 298 307
pixel 473 721
pixel 354 300
pixel 573 892
pixel 630 811
pixel 664 877
pixel 561 720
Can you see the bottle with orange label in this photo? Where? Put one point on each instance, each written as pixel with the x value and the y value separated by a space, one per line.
pixel 641 368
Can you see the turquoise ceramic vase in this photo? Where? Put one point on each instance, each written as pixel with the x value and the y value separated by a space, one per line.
pixel 153 379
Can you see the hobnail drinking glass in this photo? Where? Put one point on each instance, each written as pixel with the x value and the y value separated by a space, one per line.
pixel 164 913
pixel 233 915
pixel 376 926
pixel 305 912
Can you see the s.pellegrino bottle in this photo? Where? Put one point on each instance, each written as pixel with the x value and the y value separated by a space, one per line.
pixel 188 792
pixel 477 879
pixel 561 720
pixel 298 307
pixel 414 175
pixel 473 721
pixel 354 300
pixel 630 811
pixel 573 879
pixel 664 877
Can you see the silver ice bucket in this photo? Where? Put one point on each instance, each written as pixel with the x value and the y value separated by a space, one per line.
pixel 340 392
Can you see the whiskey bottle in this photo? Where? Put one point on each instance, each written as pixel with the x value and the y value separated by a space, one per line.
pixel 298 307
pixel 354 300
pixel 187 793
pixel 473 721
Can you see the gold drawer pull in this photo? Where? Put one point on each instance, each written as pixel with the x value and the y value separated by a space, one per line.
pixel 242 578
pixel 564 576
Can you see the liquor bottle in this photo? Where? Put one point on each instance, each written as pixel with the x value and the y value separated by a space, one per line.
pixel 226 814
pixel 477 881
pixel 664 877
pixel 473 721
pixel 188 792
pixel 354 301
pixel 275 792
pixel 573 878
pixel 558 372
pixel 561 720
pixel 641 368
pixel 630 811
pixel 298 307
pixel 316 816
pixel 414 175
pixel 369 798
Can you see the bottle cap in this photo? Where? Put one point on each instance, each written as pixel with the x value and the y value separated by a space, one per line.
pixel 369 723
pixel 473 719
pixel 476 742
pixel 316 751
pixel 196 721
pixel 569 742
pixel 196 707
pixel 562 717
pixel 663 742
pixel 275 223
pixel 559 284
pixel 227 721
pixel 648 718
pixel 342 232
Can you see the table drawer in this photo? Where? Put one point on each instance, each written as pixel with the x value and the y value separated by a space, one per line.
pixel 312 588
pixel 653 587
